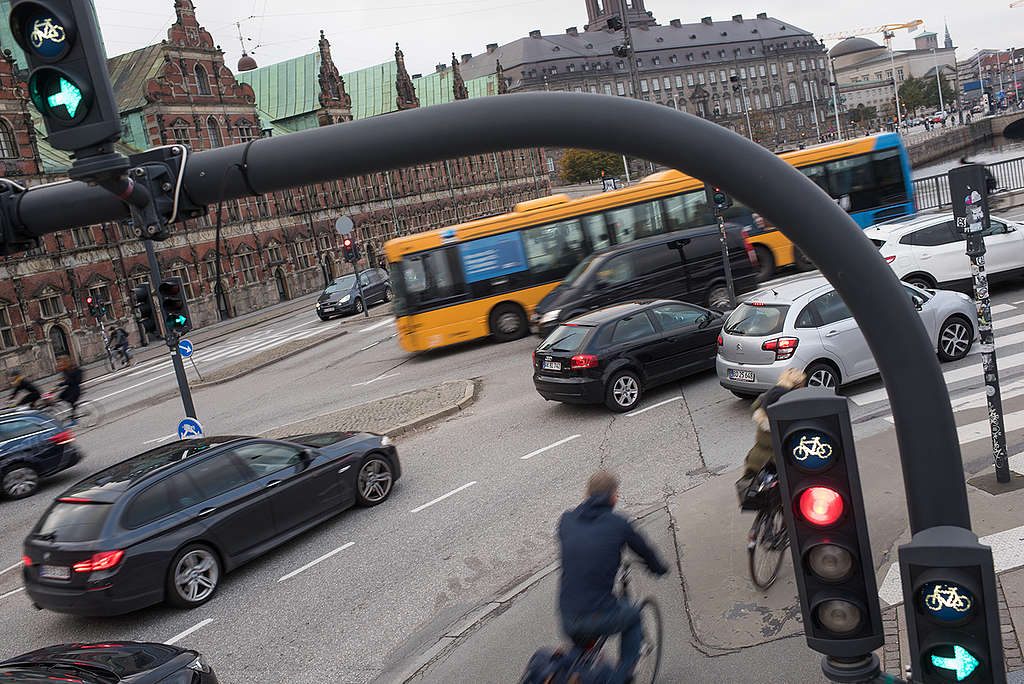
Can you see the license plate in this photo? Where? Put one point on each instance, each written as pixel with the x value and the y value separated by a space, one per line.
pixel 55 571
pixel 552 365
pixel 744 375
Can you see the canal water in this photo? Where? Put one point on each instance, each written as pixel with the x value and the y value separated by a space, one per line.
pixel 995 150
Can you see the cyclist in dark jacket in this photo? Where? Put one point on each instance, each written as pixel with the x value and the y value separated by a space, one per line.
pixel 70 383
pixel 20 383
pixel 591 538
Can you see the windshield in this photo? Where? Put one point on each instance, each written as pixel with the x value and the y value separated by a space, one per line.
pixel 757 319
pixel 576 273
pixel 342 284
pixel 565 338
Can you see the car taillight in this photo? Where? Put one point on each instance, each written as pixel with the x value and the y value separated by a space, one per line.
pixel 890 259
pixel 25 560
pixel 782 346
pixel 751 254
pixel 583 361
pixel 74 499
pixel 99 561
pixel 62 437
pixel 719 340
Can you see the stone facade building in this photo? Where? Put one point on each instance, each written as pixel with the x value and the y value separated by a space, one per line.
pixel 781 69
pixel 275 246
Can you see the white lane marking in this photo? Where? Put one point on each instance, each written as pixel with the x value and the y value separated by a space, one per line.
pixel 1002 308
pixel 653 406
pixel 178 637
pixel 549 446
pixel 379 377
pixel 998 323
pixel 1007 554
pixel 12 593
pixel 982 430
pixel 13 567
pixel 310 564
pixel 144 382
pixel 968 372
pixel 442 497
pixel 387 321
pixel 158 440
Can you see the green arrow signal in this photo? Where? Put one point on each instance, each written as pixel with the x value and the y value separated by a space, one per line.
pixel 962 663
pixel 69 96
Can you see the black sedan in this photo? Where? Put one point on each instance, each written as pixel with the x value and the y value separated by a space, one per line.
pixel 166 525
pixel 109 663
pixel 614 354
pixel 32 445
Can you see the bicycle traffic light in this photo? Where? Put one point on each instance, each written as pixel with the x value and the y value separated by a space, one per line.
pixel 174 306
pixel 717 198
pixel 68 80
pixel 349 250
pixel 952 608
pixel 143 298
pixel 824 509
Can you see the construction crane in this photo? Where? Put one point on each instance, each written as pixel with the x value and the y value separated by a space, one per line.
pixel 884 28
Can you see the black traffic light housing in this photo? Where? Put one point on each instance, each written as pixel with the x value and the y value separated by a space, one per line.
pixel 952 608
pixel 143 298
pixel 824 509
pixel 68 80
pixel 349 250
pixel 174 307
pixel 93 309
pixel 717 199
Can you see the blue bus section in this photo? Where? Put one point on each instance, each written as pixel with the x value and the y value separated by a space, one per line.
pixel 493 256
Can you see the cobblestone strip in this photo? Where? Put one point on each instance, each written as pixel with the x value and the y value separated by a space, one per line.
pixel 891 650
pixel 1011 642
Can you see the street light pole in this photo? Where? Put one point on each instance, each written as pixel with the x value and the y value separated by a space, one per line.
pixel 814 109
pixel 892 63
pixel 938 81
pixel 1013 75
pixel 835 98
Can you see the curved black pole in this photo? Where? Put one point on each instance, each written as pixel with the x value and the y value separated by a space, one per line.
pixel 929 448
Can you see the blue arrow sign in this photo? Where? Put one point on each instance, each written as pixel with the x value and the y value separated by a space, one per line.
pixel 962 663
pixel 185 348
pixel 190 428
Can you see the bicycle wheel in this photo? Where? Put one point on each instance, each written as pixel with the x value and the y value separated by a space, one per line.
pixel 646 671
pixel 89 414
pixel 770 542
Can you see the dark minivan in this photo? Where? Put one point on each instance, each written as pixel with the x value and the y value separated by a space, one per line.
pixel 685 265
pixel 344 296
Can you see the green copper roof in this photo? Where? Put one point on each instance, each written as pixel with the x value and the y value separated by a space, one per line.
pixel 373 90
pixel 286 88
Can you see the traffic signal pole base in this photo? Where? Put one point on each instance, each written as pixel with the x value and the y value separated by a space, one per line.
pixel 854 670
pixel 990 483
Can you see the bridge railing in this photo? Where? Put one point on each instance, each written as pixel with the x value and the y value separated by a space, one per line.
pixel 932 192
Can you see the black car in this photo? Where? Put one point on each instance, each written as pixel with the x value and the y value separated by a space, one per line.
pixel 342 297
pixel 109 663
pixel 685 265
pixel 614 354
pixel 33 445
pixel 167 524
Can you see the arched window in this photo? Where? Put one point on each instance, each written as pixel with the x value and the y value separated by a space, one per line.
pixel 778 98
pixel 180 132
pixel 215 137
pixel 794 96
pixel 807 90
pixel 767 101
pixel 8 146
pixel 814 89
pixel 202 80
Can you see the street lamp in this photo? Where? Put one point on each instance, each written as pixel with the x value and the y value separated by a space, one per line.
pixel 889 35
pixel 835 101
pixel 1013 75
pixel 938 81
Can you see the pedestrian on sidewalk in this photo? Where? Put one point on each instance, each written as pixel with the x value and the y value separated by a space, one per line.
pixel 762 451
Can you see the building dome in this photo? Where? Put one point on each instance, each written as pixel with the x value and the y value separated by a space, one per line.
pixel 852 45
pixel 247 63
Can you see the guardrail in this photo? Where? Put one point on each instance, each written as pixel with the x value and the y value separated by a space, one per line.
pixel 933 192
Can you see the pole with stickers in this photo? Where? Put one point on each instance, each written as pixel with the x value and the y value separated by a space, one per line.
pixel 969 193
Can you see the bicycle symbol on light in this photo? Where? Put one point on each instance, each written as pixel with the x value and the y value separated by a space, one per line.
pixel 947 596
pixel 47 30
pixel 812 447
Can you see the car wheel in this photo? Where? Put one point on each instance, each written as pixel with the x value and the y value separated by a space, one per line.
pixel 193 576
pixel 508 322
pixel 747 396
pixel 718 298
pixel 765 263
pixel 821 374
pixel 921 281
pixel 955 339
pixel 373 485
pixel 623 391
pixel 20 481
pixel 388 294
pixel 359 306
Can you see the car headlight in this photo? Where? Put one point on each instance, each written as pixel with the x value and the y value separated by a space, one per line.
pixel 550 316
pixel 198 665
pixel 345 298
pixel 318 305
pixel 386 441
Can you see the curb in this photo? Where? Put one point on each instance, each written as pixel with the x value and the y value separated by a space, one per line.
pixel 468 397
pixel 212 383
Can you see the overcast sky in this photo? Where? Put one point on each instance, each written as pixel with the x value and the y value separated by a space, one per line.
pixel 363 32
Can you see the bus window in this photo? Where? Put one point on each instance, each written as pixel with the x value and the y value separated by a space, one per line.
pixel 817 174
pixel 888 170
pixel 554 249
pixel 597 231
pixel 685 211
pixel 850 181
pixel 636 221
pixel 428 278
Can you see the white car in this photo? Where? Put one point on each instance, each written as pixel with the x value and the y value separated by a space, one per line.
pixel 928 252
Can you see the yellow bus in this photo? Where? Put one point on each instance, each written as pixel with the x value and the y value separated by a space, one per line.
pixel 485 277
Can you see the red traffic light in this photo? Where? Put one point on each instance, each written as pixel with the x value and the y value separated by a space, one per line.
pixel 821 505
pixel 88 300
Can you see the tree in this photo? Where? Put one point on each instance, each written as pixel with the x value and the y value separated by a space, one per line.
pixel 581 166
pixel 914 94
pixel 863 113
pixel 931 91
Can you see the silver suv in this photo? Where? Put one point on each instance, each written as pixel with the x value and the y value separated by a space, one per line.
pixel 804 324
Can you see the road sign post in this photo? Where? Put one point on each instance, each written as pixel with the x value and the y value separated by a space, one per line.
pixel 185 349
pixel 968 189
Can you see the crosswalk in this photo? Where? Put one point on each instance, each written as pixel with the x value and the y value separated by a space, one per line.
pixel 965 383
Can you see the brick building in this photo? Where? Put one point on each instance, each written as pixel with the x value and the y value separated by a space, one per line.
pixel 276 246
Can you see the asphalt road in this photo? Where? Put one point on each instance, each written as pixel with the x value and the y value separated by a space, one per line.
pixel 472 517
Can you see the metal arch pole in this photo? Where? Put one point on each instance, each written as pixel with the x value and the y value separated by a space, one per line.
pixel 929 448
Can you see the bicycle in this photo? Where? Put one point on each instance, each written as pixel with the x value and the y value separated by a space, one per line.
pixel 768 538
pixel 88 413
pixel 646 670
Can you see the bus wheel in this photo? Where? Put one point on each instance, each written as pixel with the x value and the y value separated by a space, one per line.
pixel 765 263
pixel 508 322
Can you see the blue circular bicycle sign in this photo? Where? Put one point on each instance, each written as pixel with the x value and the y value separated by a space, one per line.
pixel 810 450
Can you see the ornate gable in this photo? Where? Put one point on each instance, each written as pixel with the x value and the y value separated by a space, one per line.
pixel 459 91
pixel 406 92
